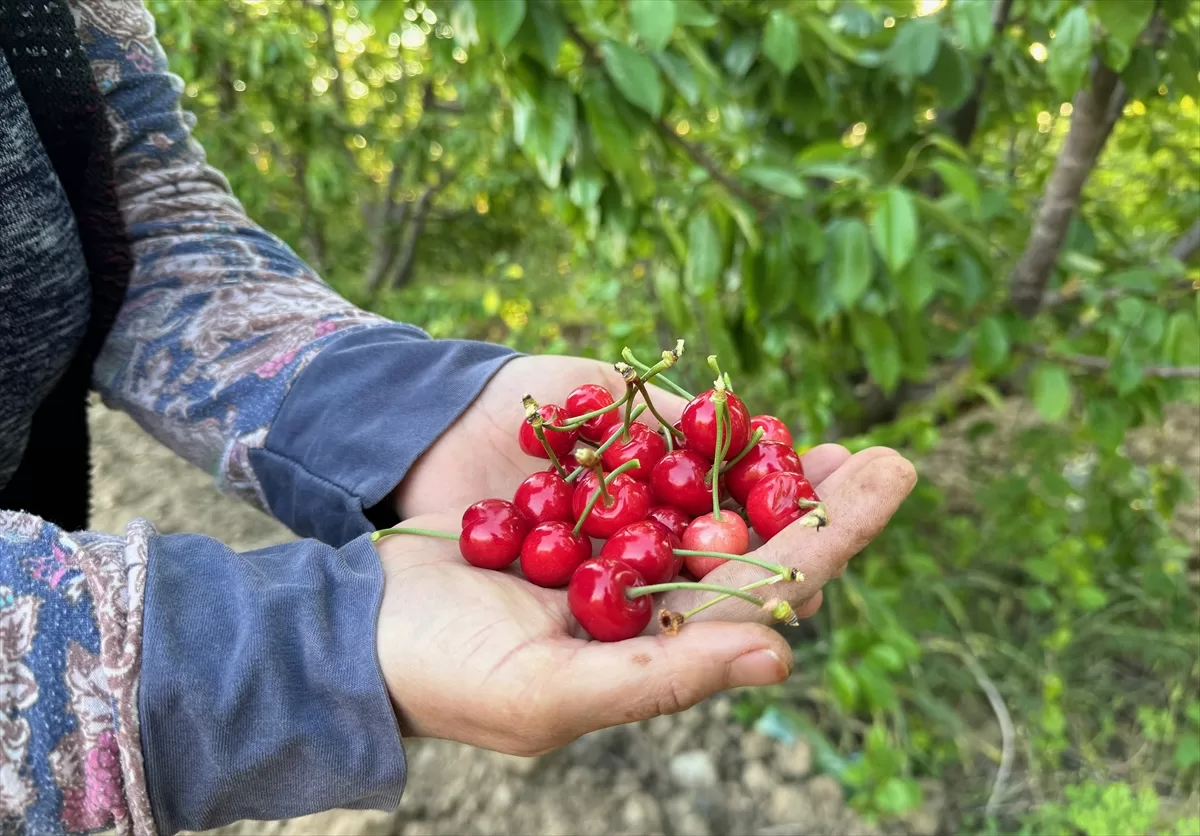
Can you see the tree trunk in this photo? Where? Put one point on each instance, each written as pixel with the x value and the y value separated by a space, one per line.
pixel 1090 126
pixel 1188 244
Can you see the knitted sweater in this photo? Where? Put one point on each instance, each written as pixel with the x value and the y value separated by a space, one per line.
pixel 125 661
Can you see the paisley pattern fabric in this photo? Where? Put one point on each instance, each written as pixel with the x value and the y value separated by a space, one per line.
pixel 219 320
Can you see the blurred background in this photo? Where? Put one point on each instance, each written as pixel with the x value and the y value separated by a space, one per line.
pixel 968 229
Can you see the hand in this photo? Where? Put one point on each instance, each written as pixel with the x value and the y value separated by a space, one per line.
pixel 488 659
pixel 478 456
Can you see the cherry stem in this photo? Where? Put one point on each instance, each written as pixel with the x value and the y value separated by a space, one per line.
pixel 376 536
pixel 783 571
pixel 671 430
pixel 608 442
pixel 712 364
pixel 644 370
pixel 723 428
pixel 602 490
pixel 638 591
pixel 630 388
pixel 575 422
pixel 541 436
pixel 720 598
pixel 754 439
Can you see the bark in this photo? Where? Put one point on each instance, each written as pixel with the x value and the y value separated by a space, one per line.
pixel 964 120
pixel 403 271
pixel 389 227
pixel 331 55
pixel 1187 245
pixel 1091 123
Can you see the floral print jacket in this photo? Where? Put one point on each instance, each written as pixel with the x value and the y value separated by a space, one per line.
pixel 141 683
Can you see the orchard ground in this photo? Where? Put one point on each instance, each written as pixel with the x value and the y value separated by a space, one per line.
pixel 698 772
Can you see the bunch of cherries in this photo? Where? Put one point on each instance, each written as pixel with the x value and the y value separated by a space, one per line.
pixel 667 503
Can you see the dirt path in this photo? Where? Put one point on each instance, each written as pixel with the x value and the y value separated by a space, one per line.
pixel 695 773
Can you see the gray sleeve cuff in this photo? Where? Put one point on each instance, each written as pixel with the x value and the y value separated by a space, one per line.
pixel 358 417
pixel 261 695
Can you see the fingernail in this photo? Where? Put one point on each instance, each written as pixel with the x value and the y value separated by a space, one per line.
pixel 758 667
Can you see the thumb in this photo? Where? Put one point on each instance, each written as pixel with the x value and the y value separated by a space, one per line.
pixel 609 684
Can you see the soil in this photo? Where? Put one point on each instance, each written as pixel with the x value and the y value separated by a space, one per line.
pixel 698 772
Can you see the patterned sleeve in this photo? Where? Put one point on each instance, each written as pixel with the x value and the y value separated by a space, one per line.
pixel 70 651
pixel 220 317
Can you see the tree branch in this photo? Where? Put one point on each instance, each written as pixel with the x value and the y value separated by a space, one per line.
pixel 1187 245
pixel 694 153
pixel 964 120
pixel 331 55
pixel 1100 364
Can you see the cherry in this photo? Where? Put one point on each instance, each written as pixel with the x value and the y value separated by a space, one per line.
pixel 646 546
pixel 644 444
pixel 764 458
pixel 543 497
pixel 777 501
pixel 630 502
pixel 551 553
pixel 773 429
pixel 596 597
pixel 708 534
pixel 562 443
pixel 588 398
pixel 699 423
pixel 492 537
pixel 672 519
pixel 678 480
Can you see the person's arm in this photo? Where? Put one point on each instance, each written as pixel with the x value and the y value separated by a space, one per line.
pixel 162 683
pixel 228 348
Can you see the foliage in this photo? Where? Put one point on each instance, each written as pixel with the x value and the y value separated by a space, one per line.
pixel 853 202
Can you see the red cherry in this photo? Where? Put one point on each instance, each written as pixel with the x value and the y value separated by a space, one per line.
pixel 699 423
pixel 596 596
pixel 765 458
pixel 644 444
pixel 707 534
pixel 774 504
pixel 483 509
pixel 630 502
pixel 678 480
pixel 773 429
pixel 562 443
pixel 492 538
pixel 544 496
pixel 672 519
pixel 646 546
pixel 588 398
pixel 551 554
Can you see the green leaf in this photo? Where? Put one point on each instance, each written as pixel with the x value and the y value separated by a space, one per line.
pixel 843 684
pixel 740 55
pixel 952 77
pixel 653 20
pixel 973 23
pixel 875 687
pixel 836 43
pixel 961 180
pixel 544 128
pixel 915 48
pixel 679 72
pixel 1069 52
pixel 991 345
pixel 550 31
pixel 1187 751
pixel 693 13
pixel 704 255
pixel 634 75
pixel 1051 391
pixel 670 296
pixel 877 342
pixel 894 228
pixel 781 41
pixel 1126 373
pixel 850 260
pixel 916 283
pixel 886 657
pixel 782 181
pixel 1123 20
pixel 897 795
pixel 1181 344
pixel 499 19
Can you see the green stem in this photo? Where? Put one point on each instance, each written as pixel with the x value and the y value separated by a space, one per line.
pixel 720 598
pixel 575 422
pixel 608 442
pixel 629 390
pixel 712 364
pixel 783 571
pixel 602 490
pixel 643 369
pixel 376 536
pixel 716 468
pixel 650 405
pixel 754 439
pixel 541 436
pixel 638 591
